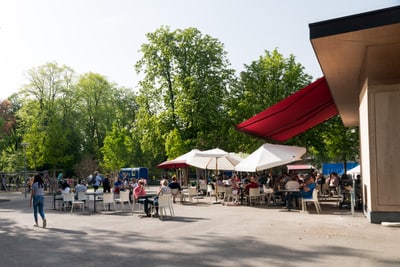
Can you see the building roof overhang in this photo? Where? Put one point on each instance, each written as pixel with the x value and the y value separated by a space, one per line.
pixel 355 48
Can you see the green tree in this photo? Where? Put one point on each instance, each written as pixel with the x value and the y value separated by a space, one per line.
pixel 341 144
pixel 46 120
pixel 183 91
pixel 119 148
pixel 97 111
pixel 262 84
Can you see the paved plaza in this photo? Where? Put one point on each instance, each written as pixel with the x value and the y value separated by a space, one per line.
pixel 200 234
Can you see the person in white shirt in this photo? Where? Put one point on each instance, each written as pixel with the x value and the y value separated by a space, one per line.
pixel 292 184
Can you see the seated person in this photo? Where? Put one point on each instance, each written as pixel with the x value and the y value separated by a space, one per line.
pixel 175 185
pixel 278 187
pixel 65 188
pixel 163 190
pixel 292 184
pixel 118 186
pixel 220 181
pixel 140 196
pixel 228 181
pixel 236 182
pixel 132 185
pixel 252 184
pixel 305 192
pixel 81 187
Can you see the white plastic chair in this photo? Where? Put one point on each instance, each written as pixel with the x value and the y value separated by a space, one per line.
pixel 314 199
pixel 228 196
pixel 203 188
pixel 175 192
pixel 254 195
pixel 191 192
pixel 83 197
pixel 108 199
pixel 70 198
pixel 268 193
pixel 164 205
pixel 123 198
pixel 210 190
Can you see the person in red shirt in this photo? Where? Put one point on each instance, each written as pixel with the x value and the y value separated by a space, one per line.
pixel 140 196
pixel 252 184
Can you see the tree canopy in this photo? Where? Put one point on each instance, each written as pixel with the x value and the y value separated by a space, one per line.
pixel 188 97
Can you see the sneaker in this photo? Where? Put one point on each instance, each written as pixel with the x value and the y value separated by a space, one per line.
pixel 44 223
pixel 35 225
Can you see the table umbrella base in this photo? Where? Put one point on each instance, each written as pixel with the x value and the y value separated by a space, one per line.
pixel 288 210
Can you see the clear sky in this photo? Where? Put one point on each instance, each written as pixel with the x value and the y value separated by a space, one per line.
pixel 104 36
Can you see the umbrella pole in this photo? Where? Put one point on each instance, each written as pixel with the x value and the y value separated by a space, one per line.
pixel 216 182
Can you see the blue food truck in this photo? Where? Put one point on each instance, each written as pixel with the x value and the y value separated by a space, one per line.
pixel 137 173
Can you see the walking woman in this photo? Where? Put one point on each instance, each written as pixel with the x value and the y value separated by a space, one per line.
pixel 37 196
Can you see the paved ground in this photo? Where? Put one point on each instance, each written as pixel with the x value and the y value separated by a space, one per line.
pixel 201 234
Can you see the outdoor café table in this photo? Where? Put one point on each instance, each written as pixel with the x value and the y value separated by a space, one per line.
pixel 149 197
pixel 95 199
pixel 56 197
pixel 289 192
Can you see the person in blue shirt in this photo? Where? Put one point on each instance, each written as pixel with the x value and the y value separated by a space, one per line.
pixel 118 186
pixel 97 181
pixel 37 200
pixel 60 179
pixel 305 192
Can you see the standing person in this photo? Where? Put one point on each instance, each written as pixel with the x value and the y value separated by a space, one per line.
pixel 333 182
pixel 59 179
pixel 37 196
pixel 107 184
pixel 4 183
pixel 97 181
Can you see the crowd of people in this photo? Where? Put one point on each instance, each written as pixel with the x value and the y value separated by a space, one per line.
pixel 136 188
pixel 304 183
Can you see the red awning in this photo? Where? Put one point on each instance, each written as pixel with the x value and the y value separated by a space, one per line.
pixel 295 114
pixel 172 164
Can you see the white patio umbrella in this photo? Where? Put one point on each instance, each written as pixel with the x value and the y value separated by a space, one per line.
pixel 355 170
pixel 268 156
pixel 213 159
